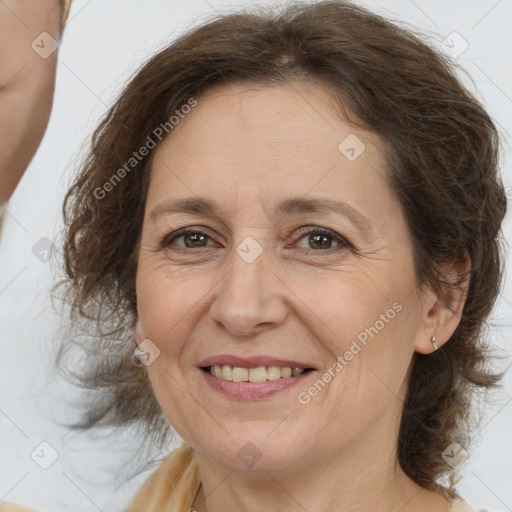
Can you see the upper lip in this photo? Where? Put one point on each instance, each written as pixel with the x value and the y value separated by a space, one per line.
pixel 251 362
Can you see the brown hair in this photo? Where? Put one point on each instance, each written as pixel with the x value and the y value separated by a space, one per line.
pixel 442 164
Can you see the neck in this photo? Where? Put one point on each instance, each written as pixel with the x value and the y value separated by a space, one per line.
pixel 363 477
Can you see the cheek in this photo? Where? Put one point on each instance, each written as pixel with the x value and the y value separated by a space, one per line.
pixel 367 327
pixel 346 304
pixel 165 307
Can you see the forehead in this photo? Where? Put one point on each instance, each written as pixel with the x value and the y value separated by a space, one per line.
pixel 275 119
pixel 266 141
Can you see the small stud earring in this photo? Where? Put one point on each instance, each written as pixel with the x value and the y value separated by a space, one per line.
pixel 433 340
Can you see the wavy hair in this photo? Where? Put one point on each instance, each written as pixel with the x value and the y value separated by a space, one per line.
pixel 442 152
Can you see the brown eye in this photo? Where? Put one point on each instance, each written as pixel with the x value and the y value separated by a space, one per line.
pixel 322 239
pixel 192 239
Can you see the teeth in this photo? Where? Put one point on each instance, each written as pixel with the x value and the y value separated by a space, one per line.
pixel 227 372
pixel 239 374
pixel 286 372
pixel 259 374
pixel 273 373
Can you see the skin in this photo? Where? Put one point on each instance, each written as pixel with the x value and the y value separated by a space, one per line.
pixel 27 83
pixel 247 148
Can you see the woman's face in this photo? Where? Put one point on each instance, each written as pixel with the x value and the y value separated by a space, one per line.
pixel 331 289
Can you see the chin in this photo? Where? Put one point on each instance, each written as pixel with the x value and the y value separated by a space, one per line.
pixel 251 452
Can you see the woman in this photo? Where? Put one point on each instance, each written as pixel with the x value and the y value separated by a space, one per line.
pixel 284 243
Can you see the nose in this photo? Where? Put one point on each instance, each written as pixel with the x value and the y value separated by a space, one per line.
pixel 250 297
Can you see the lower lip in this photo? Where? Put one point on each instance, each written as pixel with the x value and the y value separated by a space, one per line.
pixel 253 390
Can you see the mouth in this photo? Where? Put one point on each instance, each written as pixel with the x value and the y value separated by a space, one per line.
pixel 253 378
pixel 253 369
pixel 241 387
pixel 257 374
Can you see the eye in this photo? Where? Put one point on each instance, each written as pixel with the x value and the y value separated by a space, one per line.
pixel 192 239
pixel 321 239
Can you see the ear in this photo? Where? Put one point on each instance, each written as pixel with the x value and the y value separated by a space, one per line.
pixel 139 337
pixel 440 318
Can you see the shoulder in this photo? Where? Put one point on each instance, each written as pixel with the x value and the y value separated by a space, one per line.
pixel 6 506
pixel 459 505
pixel 172 486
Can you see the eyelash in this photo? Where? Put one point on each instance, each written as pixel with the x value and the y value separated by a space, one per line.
pixel 342 242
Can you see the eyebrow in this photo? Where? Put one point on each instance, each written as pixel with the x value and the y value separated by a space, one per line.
pixel 292 206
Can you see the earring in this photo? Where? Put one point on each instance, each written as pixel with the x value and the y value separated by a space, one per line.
pixel 433 340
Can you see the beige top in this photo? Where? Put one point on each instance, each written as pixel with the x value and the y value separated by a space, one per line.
pixel 66 6
pixel 174 485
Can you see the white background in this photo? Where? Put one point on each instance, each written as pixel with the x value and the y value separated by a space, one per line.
pixel 104 43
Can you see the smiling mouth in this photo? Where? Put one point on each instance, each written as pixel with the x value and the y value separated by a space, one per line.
pixel 258 374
